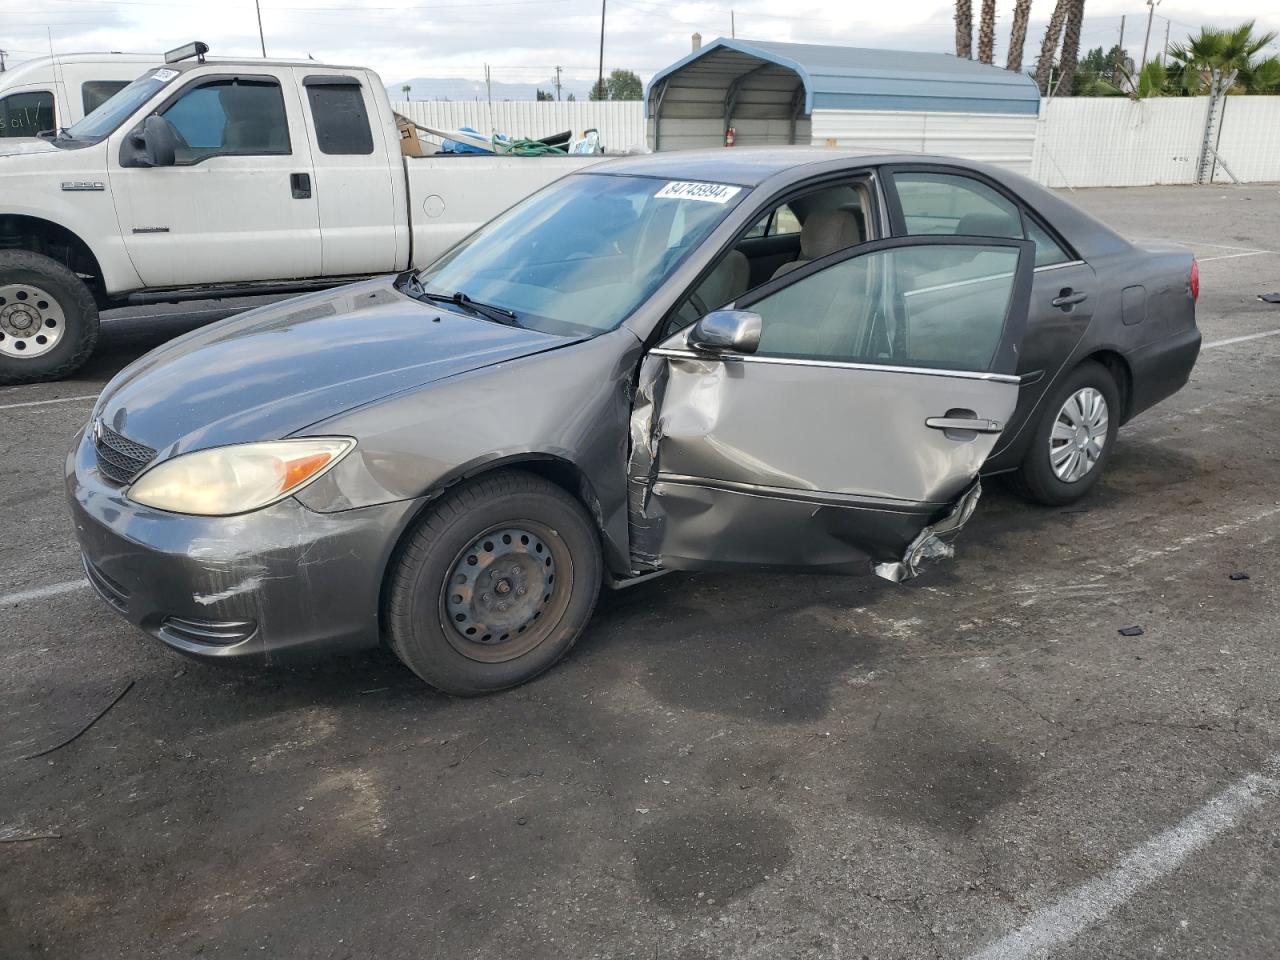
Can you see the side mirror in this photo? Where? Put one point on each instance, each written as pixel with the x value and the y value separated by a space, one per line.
pixel 157 143
pixel 720 330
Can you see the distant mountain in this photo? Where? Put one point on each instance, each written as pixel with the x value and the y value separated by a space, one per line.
pixel 456 88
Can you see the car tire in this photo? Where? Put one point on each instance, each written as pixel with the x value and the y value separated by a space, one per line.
pixel 48 319
pixel 1048 475
pixel 494 584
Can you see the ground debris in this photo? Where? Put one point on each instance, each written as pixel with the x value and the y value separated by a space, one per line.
pixel 1131 631
pixel 79 733
pixel 1238 575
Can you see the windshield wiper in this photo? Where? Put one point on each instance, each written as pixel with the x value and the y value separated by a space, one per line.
pixel 459 299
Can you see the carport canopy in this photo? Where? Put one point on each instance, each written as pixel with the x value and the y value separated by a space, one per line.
pixel 734 80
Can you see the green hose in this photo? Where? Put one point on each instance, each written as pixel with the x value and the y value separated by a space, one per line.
pixel 527 148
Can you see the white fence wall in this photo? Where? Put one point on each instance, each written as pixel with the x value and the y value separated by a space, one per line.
pixel 1077 141
pixel 1250 138
pixel 621 123
pixel 1004 139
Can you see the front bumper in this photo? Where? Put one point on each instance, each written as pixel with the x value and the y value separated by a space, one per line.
pixel 279 579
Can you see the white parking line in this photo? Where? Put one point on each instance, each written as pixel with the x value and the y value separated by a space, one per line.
pixel 1232 256
pixel 42 403
pixel 1240 339
pixel 1062 921
pixel 40 593
pixel 1203 243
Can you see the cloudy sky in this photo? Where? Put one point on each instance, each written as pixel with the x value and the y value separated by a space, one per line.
pixel 523 40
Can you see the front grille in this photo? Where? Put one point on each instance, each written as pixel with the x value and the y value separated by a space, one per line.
pixel 208 633
pixel 120 459
pixel 108 589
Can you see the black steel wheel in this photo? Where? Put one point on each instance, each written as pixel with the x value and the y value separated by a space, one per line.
pixel 494 584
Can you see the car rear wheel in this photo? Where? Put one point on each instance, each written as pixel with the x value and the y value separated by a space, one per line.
pixel 494 584
pixel 1073 438
pixel 48 319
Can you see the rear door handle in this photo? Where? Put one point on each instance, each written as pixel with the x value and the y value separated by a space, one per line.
pixel 300 184
pixel 1067 298
pixel 971 424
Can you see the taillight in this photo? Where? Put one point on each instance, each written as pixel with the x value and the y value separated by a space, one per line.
pixel 1195 279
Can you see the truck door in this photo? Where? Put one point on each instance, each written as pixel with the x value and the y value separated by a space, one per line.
pixel 238 204
pixel 359 175
pixel 846 426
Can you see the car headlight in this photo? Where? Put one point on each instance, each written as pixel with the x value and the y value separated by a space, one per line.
pixel 223 481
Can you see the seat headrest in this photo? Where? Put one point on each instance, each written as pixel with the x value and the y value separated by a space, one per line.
pixel 988 225
pixel 826 231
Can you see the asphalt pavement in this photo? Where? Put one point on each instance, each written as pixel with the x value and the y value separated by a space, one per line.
pixel 974 765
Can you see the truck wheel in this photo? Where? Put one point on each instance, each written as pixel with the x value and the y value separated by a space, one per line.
pixel 1073 438
pixel 494 584
pixel 48 319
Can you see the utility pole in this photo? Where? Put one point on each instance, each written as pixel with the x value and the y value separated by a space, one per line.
pixel 600 75
pixel 1151 12
pixel 1115 69
pixel 557 83
pixel 2 56
pixel 733 26
pixel 257 5
pixel 1164 55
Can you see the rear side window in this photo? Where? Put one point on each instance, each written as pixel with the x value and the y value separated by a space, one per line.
pixel 234 117
pixel 940 204
pixel 26 114
pixel 340 118
pixel 94 93
pixel 1048 251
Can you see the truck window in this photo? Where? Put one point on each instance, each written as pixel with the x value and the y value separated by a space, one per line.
pixel 234 117
pixel 341 121
pixel 26 114
pixel 94 93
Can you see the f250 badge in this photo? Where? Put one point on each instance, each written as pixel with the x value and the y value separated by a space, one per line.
pixel 81 185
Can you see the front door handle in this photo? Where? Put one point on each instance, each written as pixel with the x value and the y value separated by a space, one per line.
pixel 971 424
pixel 300 184
pixel 1069 298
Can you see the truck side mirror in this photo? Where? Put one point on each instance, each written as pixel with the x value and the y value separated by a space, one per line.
pixel 155 145
pixel 737 331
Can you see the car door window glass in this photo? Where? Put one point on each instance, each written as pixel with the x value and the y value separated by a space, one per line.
pixel 1048 251
pixel 340 118
pixel 230 118
pixel 938 305
pixel 94 93
pixel 26 114
pixel 939 204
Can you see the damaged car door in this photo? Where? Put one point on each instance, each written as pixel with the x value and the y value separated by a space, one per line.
pixel 834 418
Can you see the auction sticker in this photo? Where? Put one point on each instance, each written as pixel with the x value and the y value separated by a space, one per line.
pixel 164 75
pixel 706 192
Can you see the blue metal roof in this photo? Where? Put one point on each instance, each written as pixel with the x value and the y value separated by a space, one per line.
pixel 859 78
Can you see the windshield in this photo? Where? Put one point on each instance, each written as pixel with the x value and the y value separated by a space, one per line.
pixel 114 111
pixel 579 256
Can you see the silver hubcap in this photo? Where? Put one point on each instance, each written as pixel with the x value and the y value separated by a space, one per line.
pixel 31 322
pixel 1079 435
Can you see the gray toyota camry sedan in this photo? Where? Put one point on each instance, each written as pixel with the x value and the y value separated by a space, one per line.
pixel 792 357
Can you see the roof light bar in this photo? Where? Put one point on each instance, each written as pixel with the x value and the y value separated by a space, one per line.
pixel 195 49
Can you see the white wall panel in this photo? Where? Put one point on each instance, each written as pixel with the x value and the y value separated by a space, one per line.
pixel 1117 142
pixel 1250 139
pixel 621 123
pixel 1004 139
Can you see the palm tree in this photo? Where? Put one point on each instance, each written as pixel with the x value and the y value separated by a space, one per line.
pixel 405 90
pixel 1226 58
pixel 964 29
pixel 1018 35
pixel 987 31
pixel 1070 48
pixel 1049 46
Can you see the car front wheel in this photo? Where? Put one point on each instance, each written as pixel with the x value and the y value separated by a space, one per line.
pixel 494 584
pixel 1073 438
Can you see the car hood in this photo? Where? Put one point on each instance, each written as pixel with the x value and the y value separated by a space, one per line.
pixel 21 147
pixel 273 371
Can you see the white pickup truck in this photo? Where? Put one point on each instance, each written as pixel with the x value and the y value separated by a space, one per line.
pixel 213 178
